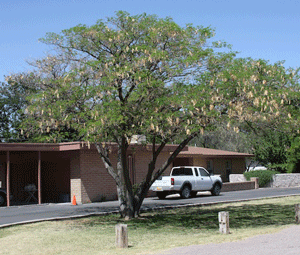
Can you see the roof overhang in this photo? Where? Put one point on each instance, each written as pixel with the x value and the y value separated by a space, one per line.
pixel 40 146
pixel 71 146
pixel 213 153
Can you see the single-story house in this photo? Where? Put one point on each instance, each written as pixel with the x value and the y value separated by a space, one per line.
pixel 52 173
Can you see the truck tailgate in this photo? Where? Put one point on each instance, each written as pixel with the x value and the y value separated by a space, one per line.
pixel 160 185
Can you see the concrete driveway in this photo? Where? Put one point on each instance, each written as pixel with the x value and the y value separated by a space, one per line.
pixel 285 242
pixel 33 213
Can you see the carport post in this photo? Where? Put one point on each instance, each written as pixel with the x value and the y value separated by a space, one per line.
pixel 39 178
pixel 7 178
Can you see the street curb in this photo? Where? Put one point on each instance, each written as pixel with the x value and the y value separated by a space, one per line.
pixel 160 208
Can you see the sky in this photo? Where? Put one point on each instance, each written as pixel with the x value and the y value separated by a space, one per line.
pixel 267 29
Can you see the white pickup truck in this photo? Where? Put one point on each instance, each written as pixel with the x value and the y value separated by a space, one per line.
pixel 187 181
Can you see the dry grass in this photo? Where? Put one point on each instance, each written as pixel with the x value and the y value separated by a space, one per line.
pixel 153 232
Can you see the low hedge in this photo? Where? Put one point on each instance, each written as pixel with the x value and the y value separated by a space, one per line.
pixel 264 176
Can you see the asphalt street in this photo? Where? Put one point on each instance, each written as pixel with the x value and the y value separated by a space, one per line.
pixel 33 213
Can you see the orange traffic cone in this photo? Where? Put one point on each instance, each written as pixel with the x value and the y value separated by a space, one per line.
pixel 74 200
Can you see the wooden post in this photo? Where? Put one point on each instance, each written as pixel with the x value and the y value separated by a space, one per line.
pixel 224 222
pixel 297 215
pixel 7 178
pixel 255 179
pixel 121 236
pixel 39 179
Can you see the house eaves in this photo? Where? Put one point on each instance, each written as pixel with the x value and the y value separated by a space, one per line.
pixel 213 153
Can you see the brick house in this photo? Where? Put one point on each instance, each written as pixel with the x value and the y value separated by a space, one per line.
pixel 60 171
pixel 219 162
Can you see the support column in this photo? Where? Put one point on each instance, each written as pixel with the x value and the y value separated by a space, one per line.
pixel 255 179
pixel 39 179
pixel 7 178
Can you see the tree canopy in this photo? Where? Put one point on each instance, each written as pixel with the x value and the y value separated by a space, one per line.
pixel 144 75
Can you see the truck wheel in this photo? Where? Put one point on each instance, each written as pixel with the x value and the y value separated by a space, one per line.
pixel 161 195
pixel 216 190
pixel 186 192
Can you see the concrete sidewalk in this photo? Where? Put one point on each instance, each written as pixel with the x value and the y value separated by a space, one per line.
pixel 285 242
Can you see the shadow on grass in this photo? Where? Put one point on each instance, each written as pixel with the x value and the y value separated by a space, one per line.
pixel 206 217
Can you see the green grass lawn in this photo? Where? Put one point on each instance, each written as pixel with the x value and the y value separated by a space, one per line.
pixel 152 232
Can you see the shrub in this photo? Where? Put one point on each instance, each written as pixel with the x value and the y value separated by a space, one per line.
pixel 294 156
pixel 265 176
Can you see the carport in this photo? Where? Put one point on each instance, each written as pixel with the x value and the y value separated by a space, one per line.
pixel 36 173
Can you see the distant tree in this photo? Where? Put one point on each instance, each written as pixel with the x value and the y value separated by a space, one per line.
pixel 142 75
pixel 225 138
pixel 270 149
pixel 12 101
pixel 271 135
pixel 293 156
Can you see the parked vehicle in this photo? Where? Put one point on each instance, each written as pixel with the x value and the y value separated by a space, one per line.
pixel 2 197
pixel 187 181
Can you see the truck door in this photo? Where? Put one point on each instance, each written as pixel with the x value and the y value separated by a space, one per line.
pixel 197 179
pixel 205 180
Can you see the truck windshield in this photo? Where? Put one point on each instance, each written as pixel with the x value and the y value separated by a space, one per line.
pixel 182 171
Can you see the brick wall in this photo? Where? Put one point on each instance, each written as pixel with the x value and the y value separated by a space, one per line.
pixel 235 186
pixel 142 159
pixel 219 167
pixel 75 180
pixel 96 183
pixel 238 166
pixel 91 182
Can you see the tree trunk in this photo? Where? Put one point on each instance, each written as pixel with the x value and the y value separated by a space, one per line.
pixel 128 209
pixel 130 202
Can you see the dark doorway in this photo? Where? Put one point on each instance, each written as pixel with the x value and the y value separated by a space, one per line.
pixel 56 181
pixel 22 175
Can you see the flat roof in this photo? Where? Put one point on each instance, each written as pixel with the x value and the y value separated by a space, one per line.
pixel 206 152
pixel 71 146
pixel 40 146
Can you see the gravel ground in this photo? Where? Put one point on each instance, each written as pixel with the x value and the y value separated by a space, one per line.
pixel 285 242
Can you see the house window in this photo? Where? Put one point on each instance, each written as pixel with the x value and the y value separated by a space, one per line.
pixel 209 166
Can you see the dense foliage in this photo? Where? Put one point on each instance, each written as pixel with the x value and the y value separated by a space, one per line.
pixel 223 138
pixel 271 149
pixel 264 176
pixel 293 156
